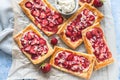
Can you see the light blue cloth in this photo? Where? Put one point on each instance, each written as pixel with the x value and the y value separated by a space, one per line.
pixel 6 29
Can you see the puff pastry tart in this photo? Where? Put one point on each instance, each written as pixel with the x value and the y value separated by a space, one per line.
pixel 90 2
pixel 43 15
pixel 85 17
pixel 96 44
pixel 33 45
pixel 75 63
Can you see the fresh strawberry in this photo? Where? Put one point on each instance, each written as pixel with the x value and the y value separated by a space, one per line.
pixel 98 3
pixel 45 67
pixel 54 41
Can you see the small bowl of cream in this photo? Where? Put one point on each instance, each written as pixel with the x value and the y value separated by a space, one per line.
pixel 66 7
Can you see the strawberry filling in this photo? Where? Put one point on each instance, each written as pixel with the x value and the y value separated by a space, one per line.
pixel 34 44
pixel 85 19
pixel 71 61
pixel 101 50
pixel 85 1
pixel 48 19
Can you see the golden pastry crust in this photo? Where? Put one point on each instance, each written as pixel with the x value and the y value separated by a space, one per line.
pixel 81 3
pixel 90 50
pixel 61 32
pixel 27 12
pixel 17 38
pixel 85 74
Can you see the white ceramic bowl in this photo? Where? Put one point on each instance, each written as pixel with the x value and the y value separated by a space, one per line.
pixel 75 9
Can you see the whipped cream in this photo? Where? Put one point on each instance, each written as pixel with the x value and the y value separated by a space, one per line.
pixel 65 6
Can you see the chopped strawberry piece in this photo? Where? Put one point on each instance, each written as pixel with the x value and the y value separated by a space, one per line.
pixel 37 37
pixel 35 12
pixel 49 28
pixel 34 56
pixel 30 36
pixel 37 6
pixel 75 68
pixel 102 56
pixel 37 1
pixel 56 61
pixel 60 20
pixel 34 41
pixel 42 15
pixel 70 28
pixel 69 66
pixel 89 35
pixel 48 14
pixel 68 33
pixel 85 12
pixel 27 48
pixel 60 55
pixel 70 57
pixel 42 41
pixel 79 16
pixel 44 22
pixel 91 18
pixel 86 63
pixel 28 4
pixel 73 24
pixel 82 1
pixel 88 23
pixel 47 10
pixel 51 24
pixel 56 16
pixel 65 64
pixel 79 34
pixel 95 33
pixel 73 38
pixel 32 51
pixel 99 31
pixel 88 1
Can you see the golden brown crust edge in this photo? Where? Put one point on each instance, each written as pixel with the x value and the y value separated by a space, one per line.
pixel 17 40
pixel 85 75
pixel 27 12
pixel 90 49
pixel 91 3
pixel 62 30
